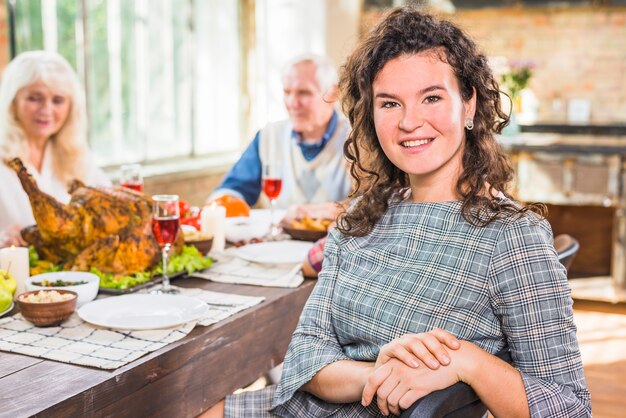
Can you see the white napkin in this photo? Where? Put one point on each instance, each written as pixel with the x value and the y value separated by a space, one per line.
pixel 229 268
pixel 221 305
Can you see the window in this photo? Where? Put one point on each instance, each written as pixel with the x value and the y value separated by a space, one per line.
pixel 162 77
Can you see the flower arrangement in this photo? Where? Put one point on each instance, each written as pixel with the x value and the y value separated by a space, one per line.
pixel 517 78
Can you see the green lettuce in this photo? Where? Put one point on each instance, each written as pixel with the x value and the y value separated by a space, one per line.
pixel 188 260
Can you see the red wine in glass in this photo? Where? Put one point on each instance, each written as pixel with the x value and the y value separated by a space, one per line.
pixel 136 186
pixel 131 178
pixel 165 230
pixel 165 227
pixel 271 187
pixel 272 183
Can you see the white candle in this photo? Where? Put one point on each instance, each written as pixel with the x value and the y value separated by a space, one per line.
pixel 15 261
pixel 213 223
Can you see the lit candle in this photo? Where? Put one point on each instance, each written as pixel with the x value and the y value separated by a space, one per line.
pixel 15 261
pixel 213 223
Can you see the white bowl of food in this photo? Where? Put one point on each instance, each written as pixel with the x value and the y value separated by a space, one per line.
pixel 85 284
pixel 242 228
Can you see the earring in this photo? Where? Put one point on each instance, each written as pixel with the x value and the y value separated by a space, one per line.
pixel 469 124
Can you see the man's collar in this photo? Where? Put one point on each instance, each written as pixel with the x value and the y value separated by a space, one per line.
pixel 330 130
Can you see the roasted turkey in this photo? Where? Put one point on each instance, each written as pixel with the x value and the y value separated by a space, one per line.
pixel 106 228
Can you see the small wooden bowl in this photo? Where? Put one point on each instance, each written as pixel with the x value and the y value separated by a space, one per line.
pixel 47 314
pixel 304 234
pixel 204 245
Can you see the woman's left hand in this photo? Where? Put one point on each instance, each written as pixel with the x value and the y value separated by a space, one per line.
pixel 397 386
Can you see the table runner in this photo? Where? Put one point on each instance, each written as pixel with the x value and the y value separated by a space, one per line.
pixel 78 342
pixel 229 268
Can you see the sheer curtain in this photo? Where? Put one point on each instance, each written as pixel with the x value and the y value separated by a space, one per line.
pixel 162 77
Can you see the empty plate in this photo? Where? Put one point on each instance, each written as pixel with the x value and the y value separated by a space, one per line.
pixel 143 311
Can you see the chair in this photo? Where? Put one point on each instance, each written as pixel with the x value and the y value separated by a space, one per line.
pixel 459 400
pixel 566 248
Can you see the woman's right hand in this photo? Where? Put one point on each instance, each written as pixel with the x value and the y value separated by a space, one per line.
pixel 11 236
pixel 428 347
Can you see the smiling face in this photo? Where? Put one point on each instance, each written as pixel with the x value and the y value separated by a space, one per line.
pixel 304 100
pixel 419 116
pixel 41 111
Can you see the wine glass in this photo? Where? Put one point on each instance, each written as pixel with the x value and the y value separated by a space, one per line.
pixel 272 184
pixel 130 177
pixel 165 226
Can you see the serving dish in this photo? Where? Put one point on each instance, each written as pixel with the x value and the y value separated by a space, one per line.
pixel 197 239
pixel 244 229
pixel 203 245
pixel 304 234
pixel 86 291
pixel 257 225
pixel 47 314
pixel 154 280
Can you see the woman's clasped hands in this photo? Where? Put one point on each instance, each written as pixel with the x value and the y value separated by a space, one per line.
pixel 409 368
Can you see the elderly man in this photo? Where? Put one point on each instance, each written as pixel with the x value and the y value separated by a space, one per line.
pixel 308 146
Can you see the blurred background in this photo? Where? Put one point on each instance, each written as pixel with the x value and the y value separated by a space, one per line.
pixel 181 86
pixel 205 74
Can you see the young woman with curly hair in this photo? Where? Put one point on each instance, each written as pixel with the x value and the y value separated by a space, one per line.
pixel 434 269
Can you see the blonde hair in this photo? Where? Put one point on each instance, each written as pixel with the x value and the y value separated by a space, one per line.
pixel 69 144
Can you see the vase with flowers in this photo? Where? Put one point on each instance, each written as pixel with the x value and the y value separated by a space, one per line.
pixel 514 81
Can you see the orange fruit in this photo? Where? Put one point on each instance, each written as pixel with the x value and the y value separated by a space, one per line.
pixel 234 205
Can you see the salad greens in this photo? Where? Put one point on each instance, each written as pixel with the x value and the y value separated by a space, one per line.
pixel 189 260
pixel 33 257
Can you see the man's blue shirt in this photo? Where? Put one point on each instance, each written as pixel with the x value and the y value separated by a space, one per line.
pixel 245 175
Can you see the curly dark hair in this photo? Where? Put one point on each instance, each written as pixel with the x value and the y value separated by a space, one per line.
pixel 407 31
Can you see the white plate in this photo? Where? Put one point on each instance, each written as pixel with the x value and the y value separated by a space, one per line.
pixel 279 252
pixel 143 311
pixel 243 228
pixel 7 309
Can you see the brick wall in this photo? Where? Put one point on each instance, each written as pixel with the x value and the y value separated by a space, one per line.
pixel 579 52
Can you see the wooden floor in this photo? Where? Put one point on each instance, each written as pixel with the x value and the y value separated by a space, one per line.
pixel 602 338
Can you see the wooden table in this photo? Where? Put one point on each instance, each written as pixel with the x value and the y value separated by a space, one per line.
pixel 180 380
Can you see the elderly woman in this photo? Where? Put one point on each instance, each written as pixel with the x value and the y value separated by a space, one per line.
pixel 434 269
pixel 43 122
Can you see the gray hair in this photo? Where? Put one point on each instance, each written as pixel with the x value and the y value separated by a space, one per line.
pixel 70 143
pixel 325 69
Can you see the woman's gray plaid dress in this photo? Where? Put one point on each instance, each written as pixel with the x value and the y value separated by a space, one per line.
pixel 423 267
